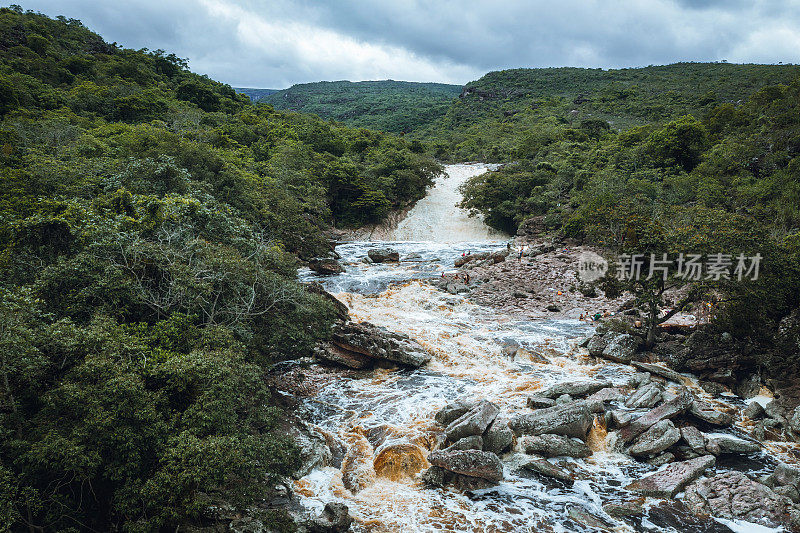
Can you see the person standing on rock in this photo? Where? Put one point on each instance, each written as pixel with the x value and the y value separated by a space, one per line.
pixel 521 251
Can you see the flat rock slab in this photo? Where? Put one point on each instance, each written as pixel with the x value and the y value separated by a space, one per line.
pixel 572 419
pixel 548 469
pixel 666 410
pixel 730 444
pixel 574 389
pixel 555 446
pixel 475 463
pixel 473 422
pixel 664 372
pixel 655 440
pixel 707 413
pixel 669 481
pixel 379 343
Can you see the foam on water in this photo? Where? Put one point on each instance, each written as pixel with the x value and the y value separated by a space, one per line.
pixel 394 409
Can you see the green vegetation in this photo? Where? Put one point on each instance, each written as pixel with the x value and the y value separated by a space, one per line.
pixel 725 180
pixel 150 223
pixel 255 95
pixel 393 106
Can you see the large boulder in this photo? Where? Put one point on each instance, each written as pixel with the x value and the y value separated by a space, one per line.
pixel 572 419
pixel 669 481
pixel 333 353
pixel 383 255
pixel 464 259
pixel 735 496
pixel 546 468
pixel 473 422
pixel 669 409
pixel 555 446
pixel 574 388
pixel 335 518
pixel 621 347
pixel 694 438
pixel 706 412
pixel 326 267
pixel 647 395
pixel 658 370
pixel 473 442
pixel 379 343
pixel 473 463
pixel 453 410
pixel 498 437
pixel 655 440
pixel 728 444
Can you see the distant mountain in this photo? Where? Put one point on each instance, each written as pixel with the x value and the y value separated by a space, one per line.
pixel 255 94
pixel 394 106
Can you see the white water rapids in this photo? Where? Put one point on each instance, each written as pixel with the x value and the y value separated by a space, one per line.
pixel 385 417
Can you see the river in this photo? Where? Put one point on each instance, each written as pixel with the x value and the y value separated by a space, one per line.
pixel 385 416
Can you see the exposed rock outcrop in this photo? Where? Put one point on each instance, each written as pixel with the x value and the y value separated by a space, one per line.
pixel 473 463
pixel 673 478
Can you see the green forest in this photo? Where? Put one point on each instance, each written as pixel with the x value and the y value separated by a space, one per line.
pixel 395 106
pixel 151 222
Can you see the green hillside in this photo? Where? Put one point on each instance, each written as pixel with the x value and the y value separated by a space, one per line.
pixel 393 106
pixel 492 114
pixel 150 225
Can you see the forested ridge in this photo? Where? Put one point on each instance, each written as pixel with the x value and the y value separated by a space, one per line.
pixel 151 222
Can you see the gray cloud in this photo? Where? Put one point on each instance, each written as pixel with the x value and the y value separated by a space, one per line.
pixel 275 43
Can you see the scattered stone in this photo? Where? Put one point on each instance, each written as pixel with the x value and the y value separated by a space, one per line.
pixel 382 255
pixel 546 468
pixel 694 438
pixel 655 440
pixel 647 396
pixel 784 475
pixel 452 411
pixel 555 446
pixel 379 343
pixel 639 379
pixel 735 496
pixel 474 463
pixel 673 478
pixel 540 402
pixel 335 518
pixel 326 267
pixel 608 394
pixel 618 419
pixel 623 509
pixel 572 419
pixel 661 459
pixel 659 370
pixel 473 422
pixel 730 444
pixel 577 388
pixel 666 410
pixel 473 442
pixel 713 388
pixel 755 411
pixel 553 308
pixel 498 436
pixel 582 516
pixel 707 413
pixel 564 398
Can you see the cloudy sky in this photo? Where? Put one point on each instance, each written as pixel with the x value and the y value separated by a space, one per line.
pixel 276 43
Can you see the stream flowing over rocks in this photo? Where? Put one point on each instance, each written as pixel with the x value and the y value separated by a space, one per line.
pixel 437 412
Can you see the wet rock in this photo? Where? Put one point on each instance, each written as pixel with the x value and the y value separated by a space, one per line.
pixel 412 256
pixel 564 398
pixel 794 420
pixel 456 287
pixel 474 463
pixel 582 516
pixel 774 410
pixel 498 436
pixel 656 439
pixel 335 518
pixel 755 411
pixel 473 422
pixel 553 308
pixel 789 492
pixel 784 475
pixel 548 469
pixel 326 267
pixel 618 419
pixel 434 476
pixel 473 442
pixel 623 509
pixel 327 351
pixel 706 412
pixel 452 411
pixel 463 260
pixel 748 387
pixel 379 343
pixel 712 387
pixel 382 255
pixel 577 388
pixel 358 470
pixel 661 459
pixel 647 396
pixel 596 345
pixel 608 394
pixel 694 439
pixel 639 379
pixel 669 409
pixel 735 496
pixel 555 446
pixel 673 478
pixel 621 347
pixel 729 444
pixel 659 370
pixel 313 448
pixel 572 419
pixel 540 402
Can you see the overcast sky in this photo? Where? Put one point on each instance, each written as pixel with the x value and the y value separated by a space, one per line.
pixel 276 43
